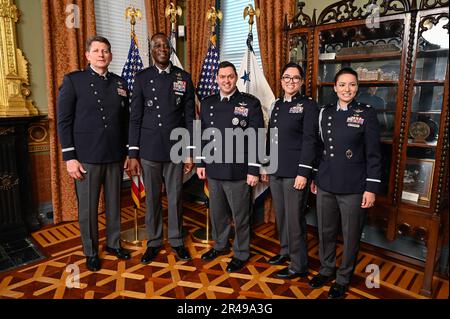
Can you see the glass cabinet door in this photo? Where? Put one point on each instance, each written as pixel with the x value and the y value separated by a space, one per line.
pixel 375 54
pixel 426 110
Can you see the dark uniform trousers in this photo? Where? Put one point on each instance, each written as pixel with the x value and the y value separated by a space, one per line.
pixel 290 205
pixel 333 209
pixel 154 173
pixel 88 193
pixel 230 199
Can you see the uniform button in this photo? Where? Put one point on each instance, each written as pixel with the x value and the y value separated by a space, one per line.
pixel 151 81
pixel 211 114
pixel 276 135
pixel 156 99
pixel 277 108
pixel 159 115
pixel 214 140
pixel 211 107
pixel 215 148
pixel 275 127
pixel 331 147
pixel 95 92
pixel 329 124
pixel 104 117
pixel 330 139
pixel 157 107
pixel 276 142
pixel 160 124
pixel 92 84
pixel 329 117
pixel 331 155
pixel 99 101
pixel 329 131
pixel 213 131
pixel 212 123
pixel 153 90
pixel 101 109
pixel 276 114
pixel 106 125
pixel 274 121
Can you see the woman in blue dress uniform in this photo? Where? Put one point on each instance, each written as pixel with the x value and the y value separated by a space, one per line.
pixel 294 127
pixel 348 177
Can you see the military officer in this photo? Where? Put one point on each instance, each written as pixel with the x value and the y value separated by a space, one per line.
pixel 294 116
pixel 230 181
pixel 349 176
pixel 92 120
pixel 162 100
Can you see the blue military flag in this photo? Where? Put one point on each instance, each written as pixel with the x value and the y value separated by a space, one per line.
pixel 207 84
pixel 133 64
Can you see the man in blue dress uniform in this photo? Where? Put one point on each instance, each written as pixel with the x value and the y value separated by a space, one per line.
pixel 162 100
pixel 92 120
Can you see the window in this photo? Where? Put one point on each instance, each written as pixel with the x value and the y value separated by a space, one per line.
pixel 111 24
pixel 234 32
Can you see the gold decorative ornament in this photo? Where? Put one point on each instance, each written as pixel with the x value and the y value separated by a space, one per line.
pixel 14 95
pixel 212 16
pixel 133 13
pixel 173 11
pixel 419 131
pixel 251 13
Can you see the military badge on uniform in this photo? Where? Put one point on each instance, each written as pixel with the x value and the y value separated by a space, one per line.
pixel 241 110
pixel 178 100
pixel 149 103
pixel 235 121
pixel 121 92
pixel 349 153
pixel 243 123
pixel 355 121
pixel 179 86
pixel 359 110
pixel 296 109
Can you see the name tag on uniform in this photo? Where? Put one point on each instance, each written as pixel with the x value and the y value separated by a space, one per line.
pixel 121 92
pixel 296 109
pixel 179 86
pixel 240 110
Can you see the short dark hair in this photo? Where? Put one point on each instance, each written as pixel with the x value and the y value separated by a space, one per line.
pixel 293 65
pixel 346 70
pixel 158 34
pixel 97 38
pixel 226 64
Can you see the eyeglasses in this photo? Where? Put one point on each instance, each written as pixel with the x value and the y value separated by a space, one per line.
pixel 287 78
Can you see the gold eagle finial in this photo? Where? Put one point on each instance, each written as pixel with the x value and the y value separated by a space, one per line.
pixel 251 13
pixel 173 11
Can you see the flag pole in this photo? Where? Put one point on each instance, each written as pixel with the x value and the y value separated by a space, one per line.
pixel 136 235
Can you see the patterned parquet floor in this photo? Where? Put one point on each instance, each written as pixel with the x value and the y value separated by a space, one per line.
pixel 63 274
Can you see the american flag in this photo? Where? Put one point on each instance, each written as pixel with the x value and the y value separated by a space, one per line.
pixel 133 64
pixel 207 84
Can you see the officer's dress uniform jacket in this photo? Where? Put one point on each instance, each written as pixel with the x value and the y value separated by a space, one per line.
pixel 351 158
pixel 241 111
pixel 160 103
pixel 93 113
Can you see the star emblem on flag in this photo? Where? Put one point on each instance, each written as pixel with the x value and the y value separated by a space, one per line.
pixel 246 77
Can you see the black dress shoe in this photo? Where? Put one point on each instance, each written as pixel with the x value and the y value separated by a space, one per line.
pixel 319 280
pixel 182 253
pixel 150 254
pixel 235 265
pixel 213 254
pixel 337 291
pixel 279 259
pixel 93 263
pixel 287 273
pixel 120 252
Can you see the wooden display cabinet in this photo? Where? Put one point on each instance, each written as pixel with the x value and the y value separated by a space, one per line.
pixel 400 50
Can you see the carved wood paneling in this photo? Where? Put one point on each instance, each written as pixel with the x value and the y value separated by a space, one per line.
pixel 301 19
pixel 431 4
